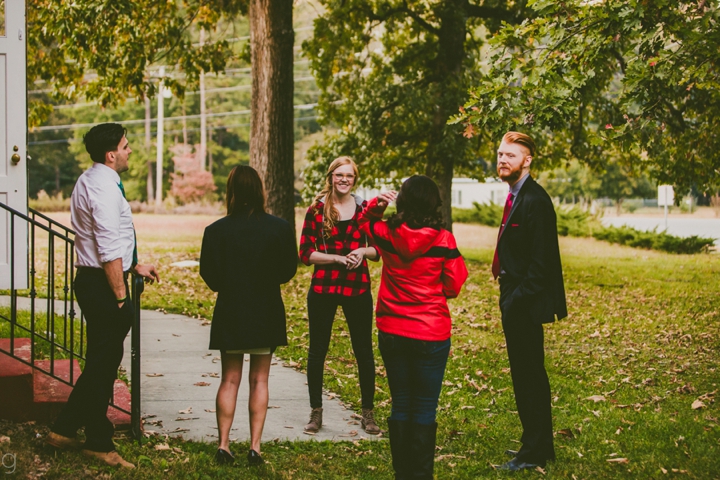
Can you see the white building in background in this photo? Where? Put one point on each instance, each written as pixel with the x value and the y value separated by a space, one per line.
pixel 465 191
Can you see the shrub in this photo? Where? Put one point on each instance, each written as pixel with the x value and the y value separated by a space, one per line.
pixel 576 222
pixel 46 203
pixel 625 235
pixel 486 214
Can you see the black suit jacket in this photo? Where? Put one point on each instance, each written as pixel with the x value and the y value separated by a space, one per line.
pixel 530 257
pixel 246 259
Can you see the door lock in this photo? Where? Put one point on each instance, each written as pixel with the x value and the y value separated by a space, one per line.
pixel 15 158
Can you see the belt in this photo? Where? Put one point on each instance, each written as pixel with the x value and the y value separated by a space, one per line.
pixel 97 271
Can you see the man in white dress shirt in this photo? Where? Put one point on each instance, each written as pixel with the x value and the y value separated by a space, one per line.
pixel 106 252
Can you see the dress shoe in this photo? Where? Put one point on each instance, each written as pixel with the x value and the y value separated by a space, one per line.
pixel 515 465
pixel 254 458
pixel 110 458
pixel 62 442
pixel 223 457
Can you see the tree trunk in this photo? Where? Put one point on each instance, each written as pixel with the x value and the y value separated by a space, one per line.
pixel 271 134
pixel 449 77
pixel 203 113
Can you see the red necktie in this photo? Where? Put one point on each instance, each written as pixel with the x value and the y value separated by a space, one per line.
pixel 506 213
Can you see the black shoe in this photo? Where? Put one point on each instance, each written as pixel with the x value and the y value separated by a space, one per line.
pixel 400 445
pixel 515 465
pixel 223 457
pixel 254 458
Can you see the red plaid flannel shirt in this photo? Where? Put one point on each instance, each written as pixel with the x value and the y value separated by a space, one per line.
pixel 334 278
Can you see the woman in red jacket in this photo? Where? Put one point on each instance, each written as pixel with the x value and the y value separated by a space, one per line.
pixel 422 268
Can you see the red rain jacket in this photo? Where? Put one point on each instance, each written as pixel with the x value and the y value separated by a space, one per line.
pixel 421 269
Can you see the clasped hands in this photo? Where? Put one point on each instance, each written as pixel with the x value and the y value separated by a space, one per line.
pixel 352 260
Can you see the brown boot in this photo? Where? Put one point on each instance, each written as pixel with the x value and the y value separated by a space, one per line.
pixel 62 442
pixel 110 458
pixel 315 420
pixel 368 422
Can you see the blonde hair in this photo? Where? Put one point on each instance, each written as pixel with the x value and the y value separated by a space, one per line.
pixel 330 213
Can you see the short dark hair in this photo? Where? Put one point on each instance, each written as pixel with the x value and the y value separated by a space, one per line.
pixel 418 204
pixel 521 139
pixel 245 192
pixel 103 138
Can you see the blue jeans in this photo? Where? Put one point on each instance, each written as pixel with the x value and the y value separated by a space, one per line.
pixel 415 370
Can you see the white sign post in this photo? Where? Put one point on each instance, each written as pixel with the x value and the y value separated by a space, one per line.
pixel 666 197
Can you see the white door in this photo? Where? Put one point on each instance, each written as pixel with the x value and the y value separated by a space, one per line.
pixel 13 143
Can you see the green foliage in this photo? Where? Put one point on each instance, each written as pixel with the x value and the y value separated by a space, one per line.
pixel 391 73
pixel 488 214
pixel 119 41
pixel 576 222
pixel 625 235
pixel 633 81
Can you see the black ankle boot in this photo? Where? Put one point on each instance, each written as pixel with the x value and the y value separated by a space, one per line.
pixel 422 452
pixel 400 440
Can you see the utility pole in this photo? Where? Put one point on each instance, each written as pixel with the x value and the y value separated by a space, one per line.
pixel 203 117
pixel 148 148
pixel 159 141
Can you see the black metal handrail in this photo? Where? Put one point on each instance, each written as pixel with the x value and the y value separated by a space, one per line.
pixel 60 275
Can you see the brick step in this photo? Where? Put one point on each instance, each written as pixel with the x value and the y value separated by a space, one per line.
pixel 32 394
pixel 16 380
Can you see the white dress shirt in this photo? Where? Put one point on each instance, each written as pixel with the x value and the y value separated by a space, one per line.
pixel 102 219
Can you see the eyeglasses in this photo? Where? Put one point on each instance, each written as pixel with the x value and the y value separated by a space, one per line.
pixel 340 176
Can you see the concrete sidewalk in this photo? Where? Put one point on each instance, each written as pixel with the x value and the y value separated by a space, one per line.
pixel 180 374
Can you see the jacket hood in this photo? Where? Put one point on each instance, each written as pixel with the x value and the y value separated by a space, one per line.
pixel 411 243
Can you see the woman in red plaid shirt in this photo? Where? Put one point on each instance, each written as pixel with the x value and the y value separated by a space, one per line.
pixel 333 243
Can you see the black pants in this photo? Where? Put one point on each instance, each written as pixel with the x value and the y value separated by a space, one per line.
pixel 358 311
pixel 107 327
pixel 524 339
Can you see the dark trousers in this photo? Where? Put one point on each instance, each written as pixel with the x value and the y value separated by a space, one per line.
pixel 524 339
pixel 358 312
pixel 107 327
pixel 415 370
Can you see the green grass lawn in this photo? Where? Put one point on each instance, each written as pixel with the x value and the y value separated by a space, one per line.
pixel 633 371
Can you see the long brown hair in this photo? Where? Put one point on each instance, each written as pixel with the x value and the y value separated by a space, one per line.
pixel 330 213
pixel 245 191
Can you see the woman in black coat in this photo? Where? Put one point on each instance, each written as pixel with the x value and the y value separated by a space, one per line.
pixel 245 257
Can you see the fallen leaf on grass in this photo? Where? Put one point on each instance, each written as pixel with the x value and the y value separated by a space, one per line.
pixel 618 460
pixel 566 432
pixel 467 407
pixel 663 470
pixel 202 384
pixel 4 439
pixel 154 375
pixel 162 446
pixel 540 469
pixel 596 398
pixel 697 405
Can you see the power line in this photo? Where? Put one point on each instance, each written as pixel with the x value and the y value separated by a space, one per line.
pixel 167 132
pixel 71 126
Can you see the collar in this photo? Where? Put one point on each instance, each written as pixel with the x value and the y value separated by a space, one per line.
pixel 106 171
pixel 515 189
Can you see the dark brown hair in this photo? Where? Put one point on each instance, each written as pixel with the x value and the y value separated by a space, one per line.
pixel 245 192
pixel 103 138
pixel 418 204
pixel 520 139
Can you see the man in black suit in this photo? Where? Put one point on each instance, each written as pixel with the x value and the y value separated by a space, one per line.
pixel 527 264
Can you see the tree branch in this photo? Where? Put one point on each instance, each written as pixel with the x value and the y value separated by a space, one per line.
pixel 478 11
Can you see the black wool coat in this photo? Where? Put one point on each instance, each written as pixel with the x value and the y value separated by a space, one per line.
pixel 246 259
pixel 530 257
